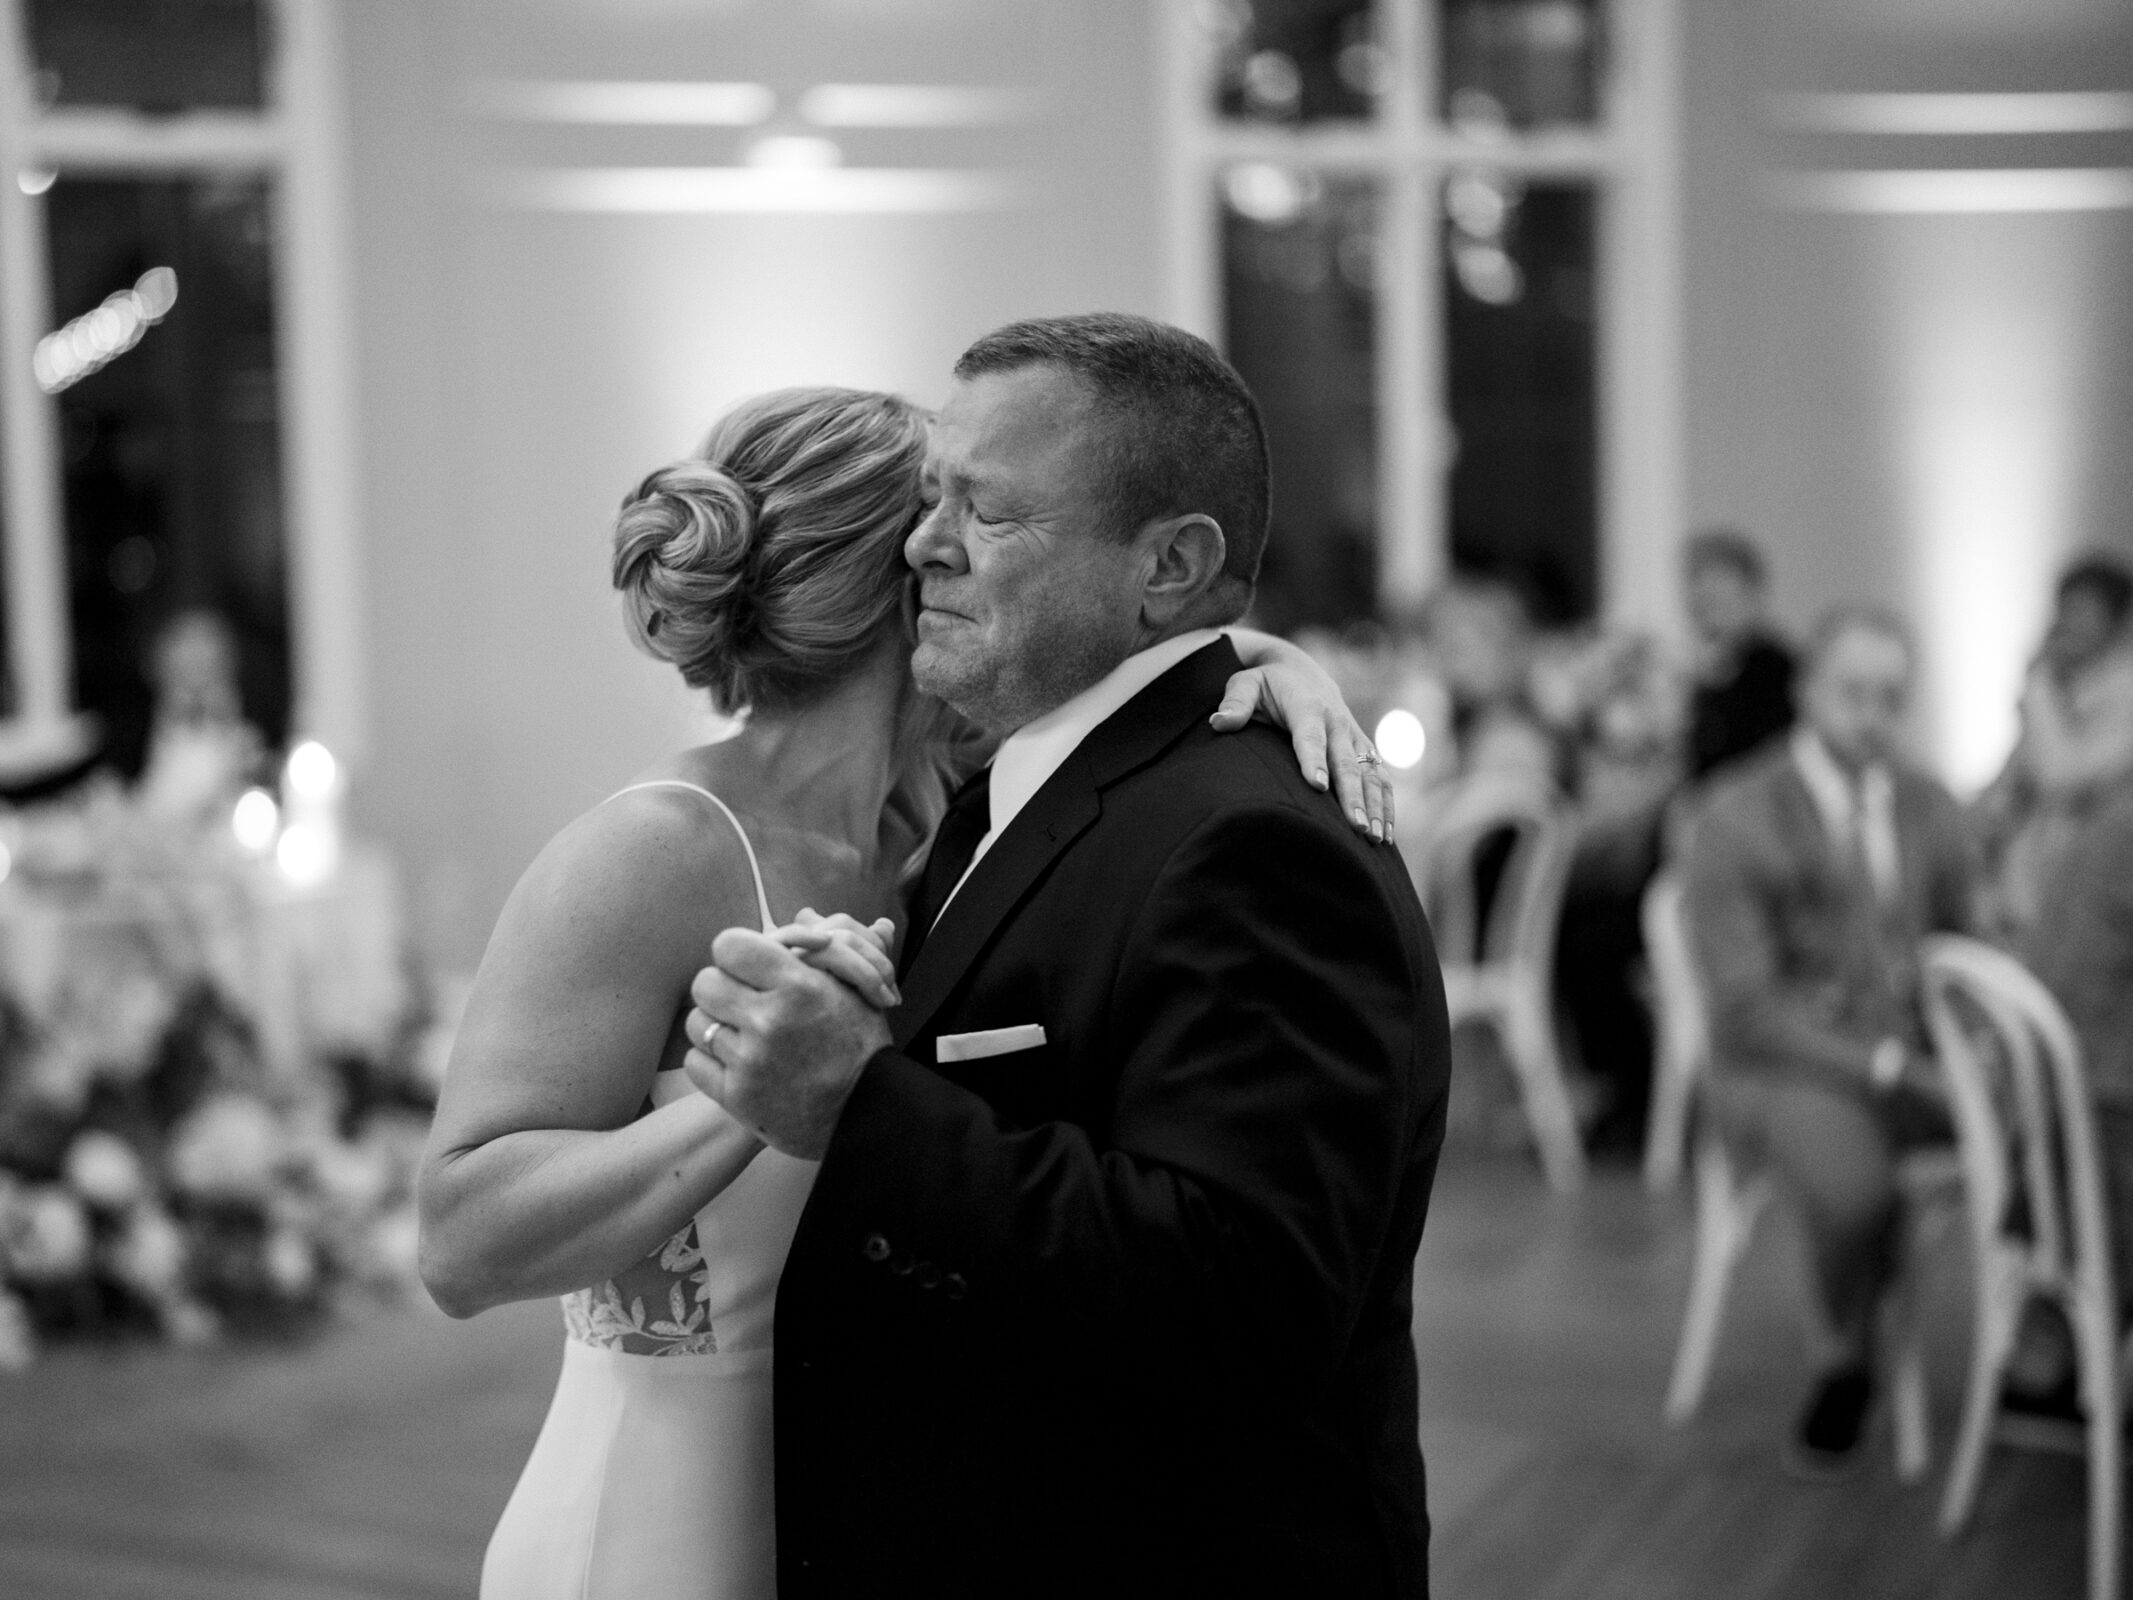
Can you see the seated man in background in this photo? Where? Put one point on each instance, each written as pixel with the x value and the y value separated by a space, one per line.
pixel 1812 872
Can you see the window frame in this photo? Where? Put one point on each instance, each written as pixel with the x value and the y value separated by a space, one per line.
pixel 1632 159
pixel 296 142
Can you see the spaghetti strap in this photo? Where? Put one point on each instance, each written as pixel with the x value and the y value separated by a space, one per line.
pixel 762 899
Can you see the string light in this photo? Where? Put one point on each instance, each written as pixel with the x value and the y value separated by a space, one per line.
pixel 1400 738
pixel 305 854
pixel 97 338
pixel 256 820
pixel 312 770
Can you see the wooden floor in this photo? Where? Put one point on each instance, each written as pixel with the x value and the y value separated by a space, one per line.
pixel 370 1463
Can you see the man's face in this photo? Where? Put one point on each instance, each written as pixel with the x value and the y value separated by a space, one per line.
pixel 1025 598
pixel 1723 605
pixel 1856 693
pixel 2082 628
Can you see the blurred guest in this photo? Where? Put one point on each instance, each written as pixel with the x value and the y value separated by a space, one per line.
pixel 1813 870
pixel 201 750
pixel 2083 952
pixel 1743 692
pixel 1481 636
pixel 1620 706
pixel 2076 744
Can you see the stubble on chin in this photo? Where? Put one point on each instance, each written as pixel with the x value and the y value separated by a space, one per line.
pixel 949 681
pixel 1003 694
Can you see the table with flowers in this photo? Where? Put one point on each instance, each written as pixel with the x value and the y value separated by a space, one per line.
pixel 216 1066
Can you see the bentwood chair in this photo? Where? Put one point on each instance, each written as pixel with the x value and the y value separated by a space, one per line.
pixel 2039 1230
pixel 1498 948
pixel 1680 1042
pixel 1734 1189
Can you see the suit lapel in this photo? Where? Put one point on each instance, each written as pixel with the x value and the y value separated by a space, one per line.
pixel 1055 817
pixel 1799 816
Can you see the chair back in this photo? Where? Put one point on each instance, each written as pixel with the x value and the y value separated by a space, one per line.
pixel 1684 1029
pixel 2024 1114
pixel 1513 921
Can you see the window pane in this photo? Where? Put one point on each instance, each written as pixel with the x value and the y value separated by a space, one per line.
pixel 166 386
pixel 152 55
pixel 1300 263
pixel 1520 63
pixel 1521 387
pixel 1295 60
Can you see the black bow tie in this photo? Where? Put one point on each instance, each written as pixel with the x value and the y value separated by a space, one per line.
pixel 965 824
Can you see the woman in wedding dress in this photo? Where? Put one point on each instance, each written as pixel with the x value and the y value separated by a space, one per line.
pixel 570 1156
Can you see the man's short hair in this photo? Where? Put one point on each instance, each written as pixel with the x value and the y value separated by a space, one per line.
pixel 2106 577
pixel 1725 547
pixel 1181 432
pixel 1857 616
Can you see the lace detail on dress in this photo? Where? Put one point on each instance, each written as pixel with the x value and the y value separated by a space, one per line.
pixel 625 1313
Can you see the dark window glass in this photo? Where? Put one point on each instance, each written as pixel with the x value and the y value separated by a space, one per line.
pixel 1520 63
pixel 150 55
pixel 1521 352
pixel 166 387
pixel 1300 265
pixel 1296 60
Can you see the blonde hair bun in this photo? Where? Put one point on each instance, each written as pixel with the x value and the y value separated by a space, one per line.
pixel 765 567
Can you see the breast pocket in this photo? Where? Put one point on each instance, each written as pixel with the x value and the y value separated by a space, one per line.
pixel 1013 1069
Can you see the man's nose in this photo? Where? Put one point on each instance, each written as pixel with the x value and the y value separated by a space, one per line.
pixel 933 543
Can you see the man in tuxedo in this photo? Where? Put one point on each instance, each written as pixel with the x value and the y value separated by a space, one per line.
pixel 1105 1285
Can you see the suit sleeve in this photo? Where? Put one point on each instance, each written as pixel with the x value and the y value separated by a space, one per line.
pixel 1755 1014
pixel 1268 1016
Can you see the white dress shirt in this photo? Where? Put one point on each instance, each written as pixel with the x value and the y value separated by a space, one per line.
pixel 1861 815
pixel 1036 750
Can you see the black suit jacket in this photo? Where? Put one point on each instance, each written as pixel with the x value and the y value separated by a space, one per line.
pixel 1129 1313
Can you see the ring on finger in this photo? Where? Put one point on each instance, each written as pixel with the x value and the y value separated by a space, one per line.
pixel 1368 758
pixel 711 1033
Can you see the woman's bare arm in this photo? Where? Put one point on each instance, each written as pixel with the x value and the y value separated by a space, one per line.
pixel 540 1177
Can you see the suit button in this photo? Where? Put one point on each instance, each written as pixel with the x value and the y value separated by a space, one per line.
pixel 876 1248
pixel 929 1276
pixel 902 1262
pixel 954 1287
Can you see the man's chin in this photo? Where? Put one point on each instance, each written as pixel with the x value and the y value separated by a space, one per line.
pixel 937 672
pixel 959 683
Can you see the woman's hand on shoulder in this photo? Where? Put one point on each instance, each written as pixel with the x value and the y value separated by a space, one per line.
pixel 846 948
pixel 1281 683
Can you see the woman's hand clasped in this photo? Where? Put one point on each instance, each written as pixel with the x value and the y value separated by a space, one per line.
pixel 848 949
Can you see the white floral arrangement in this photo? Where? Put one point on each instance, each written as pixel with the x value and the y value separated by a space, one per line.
pixel 161 1170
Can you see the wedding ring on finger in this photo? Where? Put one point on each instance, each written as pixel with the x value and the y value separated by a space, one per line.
pixel 1368 758
pixel 710 1033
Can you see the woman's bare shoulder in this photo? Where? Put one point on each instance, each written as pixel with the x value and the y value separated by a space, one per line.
pixel 646 864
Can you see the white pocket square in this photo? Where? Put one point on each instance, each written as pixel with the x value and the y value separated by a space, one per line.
pixel 989 1042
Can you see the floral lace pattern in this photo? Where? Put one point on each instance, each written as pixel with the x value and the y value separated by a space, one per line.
pixel 613 1315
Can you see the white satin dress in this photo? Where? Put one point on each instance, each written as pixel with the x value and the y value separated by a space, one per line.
pixel 651 1478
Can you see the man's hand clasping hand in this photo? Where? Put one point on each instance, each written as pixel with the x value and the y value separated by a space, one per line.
pixel 784 1022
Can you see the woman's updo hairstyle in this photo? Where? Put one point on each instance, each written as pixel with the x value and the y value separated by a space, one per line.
pixel 766 566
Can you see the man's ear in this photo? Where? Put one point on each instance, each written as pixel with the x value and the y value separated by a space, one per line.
pixel 1185 558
